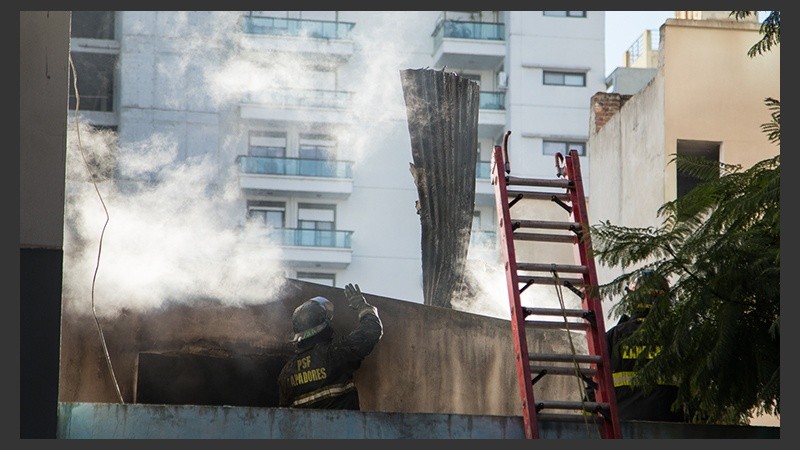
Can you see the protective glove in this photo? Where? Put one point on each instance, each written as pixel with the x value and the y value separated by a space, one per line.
pixel 356 300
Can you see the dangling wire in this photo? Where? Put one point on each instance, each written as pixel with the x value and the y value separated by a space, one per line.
pixel 572 347
pixel 100 247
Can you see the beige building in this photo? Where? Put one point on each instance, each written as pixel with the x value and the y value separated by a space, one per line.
pixel 706 99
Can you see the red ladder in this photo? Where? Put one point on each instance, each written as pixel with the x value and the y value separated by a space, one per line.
pixel 594 367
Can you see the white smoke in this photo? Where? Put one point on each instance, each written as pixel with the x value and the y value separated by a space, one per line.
pixel 180 238
pixel 185 237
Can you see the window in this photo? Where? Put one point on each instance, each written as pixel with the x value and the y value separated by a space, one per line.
pixel 271 214
pixel 94 68
pixel 263 143
pixel 95 73
pixel 564 78
pixel 315 146
pixel 316 217
pixel 565 13
pixel 563 147
pixel 698 149
pixel 321 221
pixel 327 279
pixel 92 24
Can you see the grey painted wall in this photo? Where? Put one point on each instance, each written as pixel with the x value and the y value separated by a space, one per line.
pixel 43 50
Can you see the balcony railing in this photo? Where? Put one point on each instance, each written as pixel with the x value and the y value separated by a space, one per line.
pixel 640 45
pixel 267 165
pixel 303 97
pixel 312 238
pixel 321 29
pixel 492 100
pixel 490 31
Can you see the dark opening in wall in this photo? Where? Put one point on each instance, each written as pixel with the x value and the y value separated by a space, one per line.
pixel 191 379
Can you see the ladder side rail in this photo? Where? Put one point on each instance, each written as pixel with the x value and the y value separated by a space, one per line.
pixel 591 301
pixel 517 317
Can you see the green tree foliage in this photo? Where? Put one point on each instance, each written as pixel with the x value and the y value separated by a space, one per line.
pixel 719 332
pixel 770 30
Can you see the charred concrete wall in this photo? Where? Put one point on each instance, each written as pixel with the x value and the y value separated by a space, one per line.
pixel 430 359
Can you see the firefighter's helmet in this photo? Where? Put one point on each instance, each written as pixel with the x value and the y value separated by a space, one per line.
pixel 310 318
pixel 648 286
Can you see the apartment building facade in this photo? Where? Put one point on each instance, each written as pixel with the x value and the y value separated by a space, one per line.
pixel 303 113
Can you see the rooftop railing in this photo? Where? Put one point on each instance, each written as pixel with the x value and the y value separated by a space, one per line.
pixel 638 47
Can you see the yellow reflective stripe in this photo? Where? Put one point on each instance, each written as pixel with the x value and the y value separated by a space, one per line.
pixel 626 379
pixel 326 392
pixel 623 378
pixel 633 352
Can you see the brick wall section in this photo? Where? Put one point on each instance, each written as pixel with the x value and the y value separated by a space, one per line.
pixel 605 105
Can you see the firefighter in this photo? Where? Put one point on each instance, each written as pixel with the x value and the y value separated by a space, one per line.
pixel 320 374
pixel 632 401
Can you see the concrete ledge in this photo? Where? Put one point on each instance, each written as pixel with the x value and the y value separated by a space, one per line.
pixel 137 421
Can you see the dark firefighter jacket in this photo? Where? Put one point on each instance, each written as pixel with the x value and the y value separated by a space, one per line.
pixel 632 402
pixel 320 374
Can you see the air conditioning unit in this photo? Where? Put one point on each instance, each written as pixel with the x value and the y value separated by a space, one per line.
pixel 502 81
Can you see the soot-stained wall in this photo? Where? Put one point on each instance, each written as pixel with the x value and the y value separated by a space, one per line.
pixel 430 359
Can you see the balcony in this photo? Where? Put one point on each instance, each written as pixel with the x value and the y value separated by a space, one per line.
pixel 328 249
pixel 295 176
pixel 484 191
pixel 492 114
pixel 298 105
pixel 493 100
pixel 469 45
pixel 321 41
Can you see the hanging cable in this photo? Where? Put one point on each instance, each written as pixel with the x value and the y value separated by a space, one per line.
pixel 572 347
pixel 102 233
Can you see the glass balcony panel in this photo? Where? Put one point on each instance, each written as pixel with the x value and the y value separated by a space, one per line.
pixel 275 26
pixel 312 238
pixel 483 170
pixel 302 98
pixel 492 100
pixel 468 30
pixel 295 167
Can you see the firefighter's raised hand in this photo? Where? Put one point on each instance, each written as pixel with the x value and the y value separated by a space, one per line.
pixel 355 299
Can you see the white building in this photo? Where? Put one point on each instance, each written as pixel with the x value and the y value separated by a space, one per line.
pixel 305 111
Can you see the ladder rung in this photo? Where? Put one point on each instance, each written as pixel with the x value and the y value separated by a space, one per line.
pixel 539 195
pixel 539 267
pixel 543 182
pixel 564 370
pixel 593 418
pixel 565 357
pixel 573 405
pixel 555 312
pixel 550 280
pixel 573 326
pixel 569 238
pixel 546 224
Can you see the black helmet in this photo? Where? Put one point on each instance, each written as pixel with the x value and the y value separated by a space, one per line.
pixel 648 281
pixel 311 317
